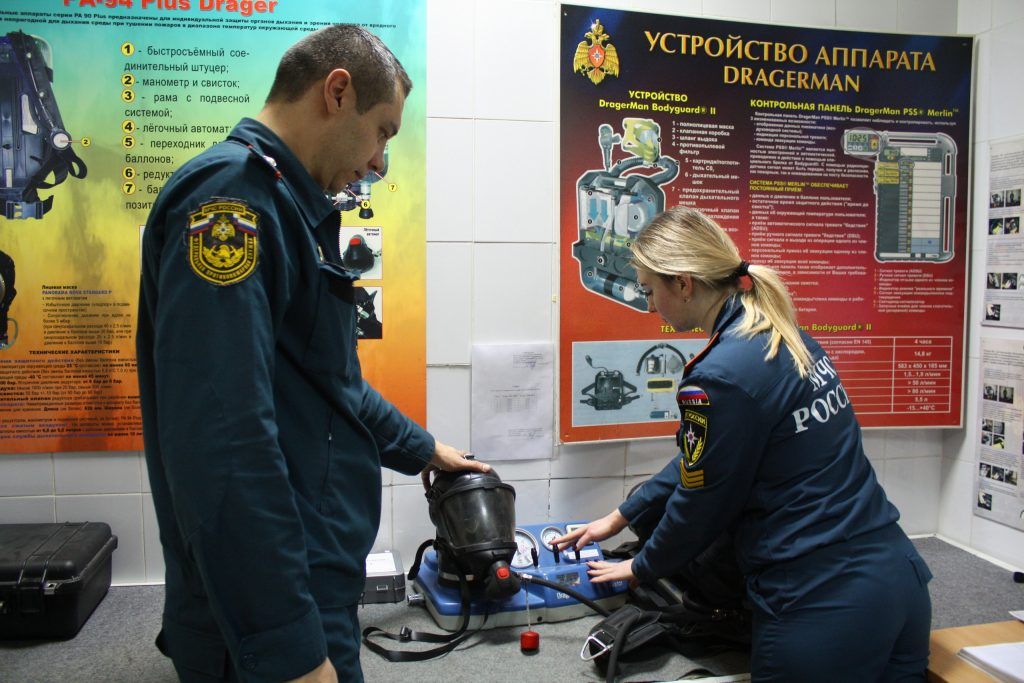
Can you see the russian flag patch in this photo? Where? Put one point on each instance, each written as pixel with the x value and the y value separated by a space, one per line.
pixel 692 395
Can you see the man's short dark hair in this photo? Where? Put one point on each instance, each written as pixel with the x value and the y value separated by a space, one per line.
pixel 374 68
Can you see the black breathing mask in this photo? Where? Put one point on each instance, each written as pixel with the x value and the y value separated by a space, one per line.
pixel 475 517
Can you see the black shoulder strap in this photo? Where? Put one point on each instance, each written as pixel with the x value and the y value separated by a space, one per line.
pixel 450 640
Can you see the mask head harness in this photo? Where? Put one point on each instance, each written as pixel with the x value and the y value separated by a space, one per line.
pixel 475 517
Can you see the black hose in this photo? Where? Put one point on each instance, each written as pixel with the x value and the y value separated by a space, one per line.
pixel 619 643
pixel 530 578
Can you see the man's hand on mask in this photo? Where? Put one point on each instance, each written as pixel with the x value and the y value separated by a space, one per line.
pixel 450 459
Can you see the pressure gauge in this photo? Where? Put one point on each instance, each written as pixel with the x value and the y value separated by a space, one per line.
pixel 526 545
pixel 549 534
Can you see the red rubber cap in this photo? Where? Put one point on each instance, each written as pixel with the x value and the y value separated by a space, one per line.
pixel 529 641
pixel 503 573
pixel 353 242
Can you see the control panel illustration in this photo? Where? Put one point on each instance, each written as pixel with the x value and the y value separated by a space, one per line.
pixel 915 192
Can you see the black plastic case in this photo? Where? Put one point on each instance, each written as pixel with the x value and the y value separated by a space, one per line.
pixel 52 576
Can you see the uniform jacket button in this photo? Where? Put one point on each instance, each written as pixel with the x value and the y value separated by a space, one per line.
pixel 249 662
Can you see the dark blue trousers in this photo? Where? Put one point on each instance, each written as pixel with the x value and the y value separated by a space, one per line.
pixel 341 626
pixel 854 611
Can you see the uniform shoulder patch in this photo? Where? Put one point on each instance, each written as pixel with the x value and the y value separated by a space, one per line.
pixel 694 436
pixel 222 241
pixel 692 395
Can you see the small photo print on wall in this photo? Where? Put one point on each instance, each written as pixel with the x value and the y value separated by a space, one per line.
pixel 362 251
pixel 369 312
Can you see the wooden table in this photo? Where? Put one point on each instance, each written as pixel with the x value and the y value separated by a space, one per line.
pixel 946 667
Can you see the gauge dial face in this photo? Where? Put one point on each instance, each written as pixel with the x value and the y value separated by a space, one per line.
pixel 525 543
pixel 549 534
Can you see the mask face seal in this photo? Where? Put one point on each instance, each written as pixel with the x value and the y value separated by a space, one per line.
pixel 474 514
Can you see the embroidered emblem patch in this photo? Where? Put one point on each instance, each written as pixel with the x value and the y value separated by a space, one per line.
pixel 692 395
pixel 223 241
pixel 694 436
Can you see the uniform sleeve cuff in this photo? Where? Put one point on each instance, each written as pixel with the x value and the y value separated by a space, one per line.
pixel 640 569
pixel 415 453
pixel 285 652
pixel 631 507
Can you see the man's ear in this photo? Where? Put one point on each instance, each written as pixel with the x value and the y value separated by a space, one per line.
pixel 337 89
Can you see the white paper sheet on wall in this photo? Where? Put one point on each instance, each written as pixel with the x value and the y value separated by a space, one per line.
pixel 513 401
pixel 998 486
pixel 1004 258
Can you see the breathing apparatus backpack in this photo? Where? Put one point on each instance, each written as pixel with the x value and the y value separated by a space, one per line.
pixel 33 141
pixel 701 610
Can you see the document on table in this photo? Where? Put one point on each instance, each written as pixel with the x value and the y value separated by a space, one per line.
pixel 1002 661
pixel 513 401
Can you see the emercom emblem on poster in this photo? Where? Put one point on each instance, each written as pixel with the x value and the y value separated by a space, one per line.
pixel 594 59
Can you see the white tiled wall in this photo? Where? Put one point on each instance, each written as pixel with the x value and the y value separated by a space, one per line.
pixel 492 272
pixel 998 26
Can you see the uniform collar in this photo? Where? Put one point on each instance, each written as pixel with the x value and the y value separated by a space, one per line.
pixel 731 310
pixel 313 202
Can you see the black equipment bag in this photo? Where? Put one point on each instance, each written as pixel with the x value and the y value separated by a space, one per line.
pixel 52 577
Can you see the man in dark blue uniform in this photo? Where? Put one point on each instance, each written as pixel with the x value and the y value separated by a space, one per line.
pixel 771 451
pixel 263 442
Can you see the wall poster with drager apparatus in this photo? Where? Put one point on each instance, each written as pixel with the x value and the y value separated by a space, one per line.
pixel 839 158
pixel 100 102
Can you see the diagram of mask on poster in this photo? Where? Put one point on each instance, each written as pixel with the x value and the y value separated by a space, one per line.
pixel 369 312
pixel 998 492
pixel 361 251
pixel 626 382
pixel 1004 258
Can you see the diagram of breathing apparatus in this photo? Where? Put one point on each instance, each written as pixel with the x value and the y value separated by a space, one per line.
pixel 483 571
pixel 36 150
pixel 618 382
pixel 361 249
pixel 614 203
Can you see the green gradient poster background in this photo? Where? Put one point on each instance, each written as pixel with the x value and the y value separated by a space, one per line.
pixel 190 71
